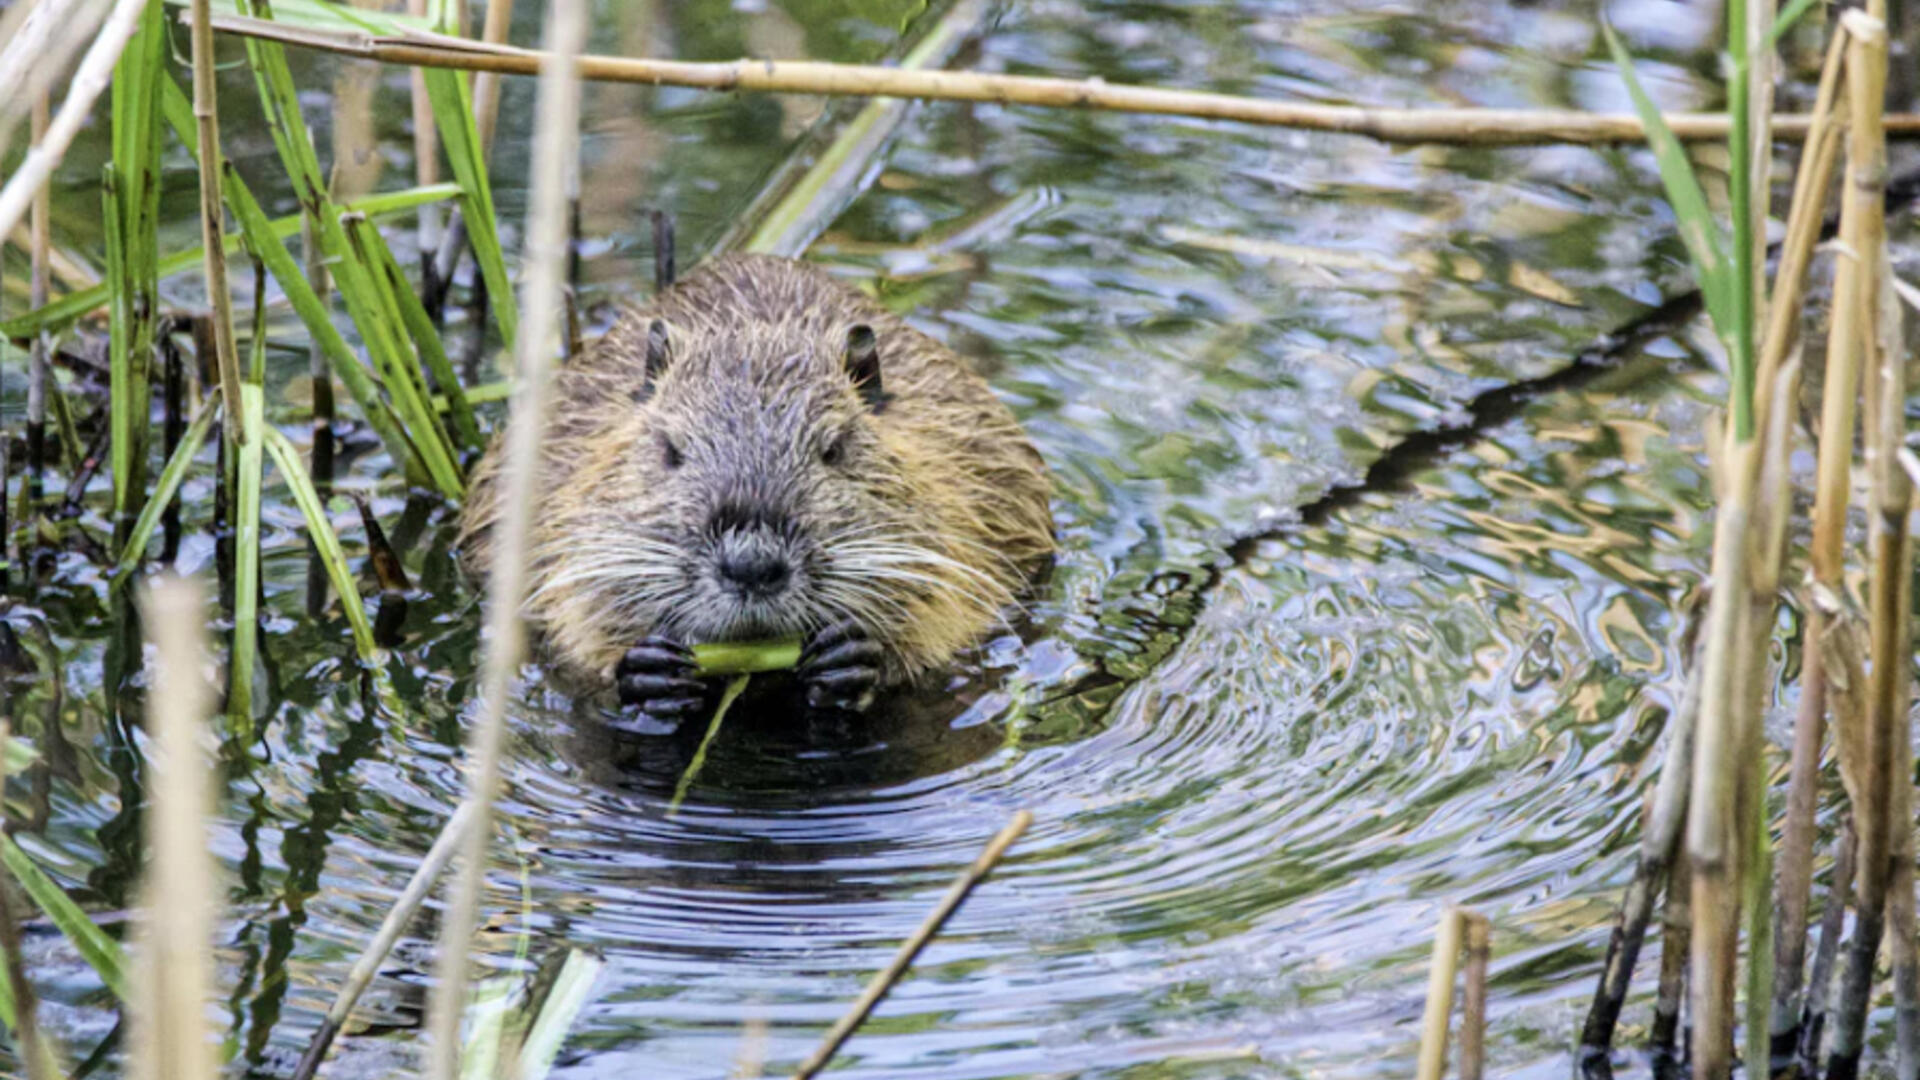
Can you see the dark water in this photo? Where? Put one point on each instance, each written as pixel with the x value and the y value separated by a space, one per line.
pixel 1256 781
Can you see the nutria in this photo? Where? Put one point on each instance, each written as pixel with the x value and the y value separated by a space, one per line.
pixel 763 452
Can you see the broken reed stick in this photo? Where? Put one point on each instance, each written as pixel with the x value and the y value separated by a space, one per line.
pixel 1659 851
pixel 1864 232
pixel 1676 924
pixel 883 980
pixel 426 155
pixel 1713 818
pixel 1473 1001
pixel 94 74
pixel 206 117
pixel 1468 127
pixel 405 906
pixel 37 290
pixel 1439 1009
pixel 1833 918
pixel 556 143
pixel 178 902
pixel 486 84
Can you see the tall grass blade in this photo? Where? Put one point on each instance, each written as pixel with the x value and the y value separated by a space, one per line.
pixel 1784 22
pixel 1740 99
pixel 1697 228
pixel 136 157
pixel 353 279
pixel 449 93
pixel 101 952
pixel 433 353
pixel 286 458
pixel 164 489
pixel 411 395
pixel 246 560
pixel 56 315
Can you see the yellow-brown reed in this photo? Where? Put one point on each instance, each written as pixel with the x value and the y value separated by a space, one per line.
pixel 1473 997
pixel 179 890
pixel 884 979
pixel 556 144
pixel 1432 1064
pixel 1863 232
pixel 1465 126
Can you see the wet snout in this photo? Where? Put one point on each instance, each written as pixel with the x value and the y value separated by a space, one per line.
pixel 752 556
pixel 753 563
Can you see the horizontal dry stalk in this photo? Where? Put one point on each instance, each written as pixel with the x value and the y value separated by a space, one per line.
pixel 1474 127
pixel 884 979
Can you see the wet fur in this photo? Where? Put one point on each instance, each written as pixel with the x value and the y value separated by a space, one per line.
pixel 932 519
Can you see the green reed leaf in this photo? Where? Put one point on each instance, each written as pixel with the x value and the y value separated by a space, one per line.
pixel 164 488
pixel 101 952
pixel 326 542
pixel 451 97
pixel 1698 230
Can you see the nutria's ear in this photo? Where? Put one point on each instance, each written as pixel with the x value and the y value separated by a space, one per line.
pixel 658 354
pixel 863 365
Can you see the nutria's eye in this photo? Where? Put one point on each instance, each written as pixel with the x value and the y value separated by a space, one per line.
pixel 835 453
pixel 671 453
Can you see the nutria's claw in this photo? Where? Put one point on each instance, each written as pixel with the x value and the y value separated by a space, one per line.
pixel 658 676
pixel 841 668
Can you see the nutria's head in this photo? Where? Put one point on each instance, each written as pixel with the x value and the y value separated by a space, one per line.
pixel 758 496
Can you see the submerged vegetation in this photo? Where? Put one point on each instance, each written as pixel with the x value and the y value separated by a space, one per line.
pixel 1735 925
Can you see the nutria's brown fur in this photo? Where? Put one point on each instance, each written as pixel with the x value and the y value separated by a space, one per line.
pixel 911 505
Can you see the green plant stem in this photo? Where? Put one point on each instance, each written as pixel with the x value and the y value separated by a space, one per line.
pixel 353 278
pixel 246 559
pixel 734 689
pixel 286 458
pixel 747 657
pixel 164 489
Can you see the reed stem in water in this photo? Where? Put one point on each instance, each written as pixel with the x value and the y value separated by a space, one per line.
pixel 556 143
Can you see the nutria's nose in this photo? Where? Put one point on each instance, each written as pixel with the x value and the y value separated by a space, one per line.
pixel 758 572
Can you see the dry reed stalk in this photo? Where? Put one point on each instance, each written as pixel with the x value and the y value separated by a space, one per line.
pixel 486 84
pixel 37 1055
pixel 170 1032
pixel 1863 230
pixel 1713 822
pixel 93 76
pixel 1464 126
pixel 1820 152
pixel 452 836
pixel 1833 917
pixel 41 242
pixel 903 958
pixel 206 115
pixel 1440 975
pixel 1795 879
pixel 1659 843
pixel 426 154
pixel 1676 921
pixel 1473 1002
pixel 556 143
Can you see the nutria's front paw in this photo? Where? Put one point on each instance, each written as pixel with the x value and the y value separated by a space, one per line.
pixel 659 677
pixel 840 667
